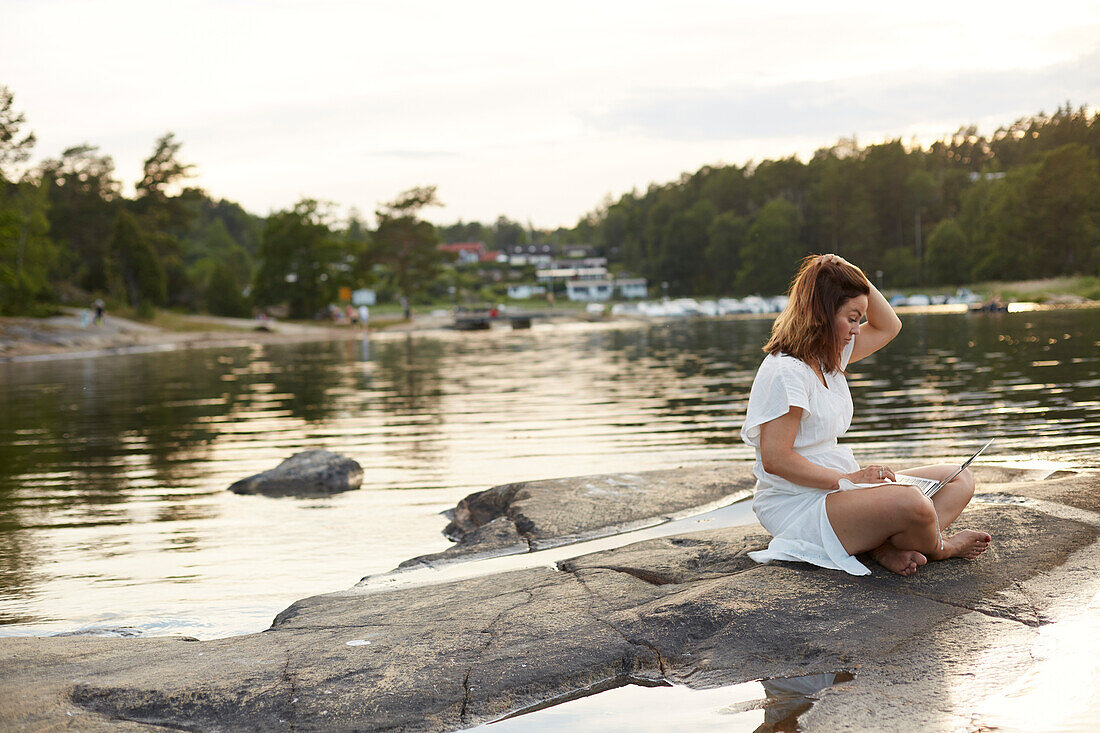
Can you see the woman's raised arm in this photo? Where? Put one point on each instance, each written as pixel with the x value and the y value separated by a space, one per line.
pixel 880 329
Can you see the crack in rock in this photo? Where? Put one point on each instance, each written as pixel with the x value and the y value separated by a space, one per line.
pixel 466 689
pixel 1007 615
pixel 292 696
pixel 634 642
pixel 648 576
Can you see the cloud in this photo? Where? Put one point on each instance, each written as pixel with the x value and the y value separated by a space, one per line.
pixel 843 106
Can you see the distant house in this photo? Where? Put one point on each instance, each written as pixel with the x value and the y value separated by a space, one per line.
pixel 552 274
pixel 529 254
pixel 525 291
pixel 631 287
pixel 588 290
pixel 577 251
pixel 470 252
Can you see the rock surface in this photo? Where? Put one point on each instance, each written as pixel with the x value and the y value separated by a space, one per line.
pixel 309 473
pixel 689 609
pixel 533 515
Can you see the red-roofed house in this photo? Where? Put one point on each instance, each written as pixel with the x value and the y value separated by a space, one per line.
pixel 469 252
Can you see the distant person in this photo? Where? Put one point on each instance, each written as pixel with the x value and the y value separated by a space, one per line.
pixel 351 315
pixel 364 317
pixel 100 311
pixel 550 299
pixel 405 307
pixel 798 407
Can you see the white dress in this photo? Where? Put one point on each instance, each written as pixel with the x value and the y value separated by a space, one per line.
pixel 794 514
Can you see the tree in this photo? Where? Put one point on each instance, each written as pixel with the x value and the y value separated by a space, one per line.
pixel 15 144
pixel 1061 215
pixel 508 233
pixel 772 250
pixel 920 194
pixel 165 219
pixel 884 170
pixel 948 254
pixel 223 293
pixel 83 196
pixel 298 257
pixel 138 265
pixel 27 254
pixel 162 169
pixel 407 245
pixel 727 235
pixel 683 250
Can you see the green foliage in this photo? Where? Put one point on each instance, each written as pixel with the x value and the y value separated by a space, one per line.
pixel 772 249
pixel 138 265
pixel 1024 200
pixel 683 243
pixel 1060 220
pixel 300 261
pixel 27 254
pixel 223 293
pixel 406 244
pixel 948 255
pixel 83 196
pixel 726 238
pixel 15 144
pixel 473 231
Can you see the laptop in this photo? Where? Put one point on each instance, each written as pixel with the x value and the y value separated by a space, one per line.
pixel 931 486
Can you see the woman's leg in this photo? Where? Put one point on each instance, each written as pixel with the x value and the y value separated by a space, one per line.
pixel 901 526
pixel 952 498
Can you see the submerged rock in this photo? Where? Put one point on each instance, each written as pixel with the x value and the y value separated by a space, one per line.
pixel 691 609
pixel 309 473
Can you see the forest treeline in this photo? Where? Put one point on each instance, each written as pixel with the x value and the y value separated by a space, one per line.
pixel 69 235
pixel 1021 203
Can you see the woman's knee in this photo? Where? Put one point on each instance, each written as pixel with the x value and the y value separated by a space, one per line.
pixel 966 483
pixel 913 507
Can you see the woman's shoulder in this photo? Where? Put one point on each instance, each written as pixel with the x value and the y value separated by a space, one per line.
pixel 783 364
pixel 786 362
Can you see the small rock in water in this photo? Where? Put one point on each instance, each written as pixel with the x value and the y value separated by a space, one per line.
pixel 309 473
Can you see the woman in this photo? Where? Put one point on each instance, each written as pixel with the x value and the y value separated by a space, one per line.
pixel 800 405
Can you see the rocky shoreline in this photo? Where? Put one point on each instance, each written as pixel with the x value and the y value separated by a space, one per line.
pixel 927 652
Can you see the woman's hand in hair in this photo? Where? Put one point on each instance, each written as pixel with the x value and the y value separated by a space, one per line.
pixel 832 259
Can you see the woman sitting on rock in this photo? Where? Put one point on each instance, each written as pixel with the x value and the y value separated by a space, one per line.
pixel 800 405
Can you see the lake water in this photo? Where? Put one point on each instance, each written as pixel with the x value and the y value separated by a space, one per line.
pixel 113 470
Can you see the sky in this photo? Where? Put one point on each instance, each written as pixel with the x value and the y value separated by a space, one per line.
pixel 534 111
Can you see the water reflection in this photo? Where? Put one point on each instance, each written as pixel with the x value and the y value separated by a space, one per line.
pixel 113 470
pixel 760 706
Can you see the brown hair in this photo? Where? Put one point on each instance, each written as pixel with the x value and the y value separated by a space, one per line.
pixel 805 328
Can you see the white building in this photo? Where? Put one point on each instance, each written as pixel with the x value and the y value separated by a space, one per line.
pixel 524 291
pixel 631 288
pixel 588 290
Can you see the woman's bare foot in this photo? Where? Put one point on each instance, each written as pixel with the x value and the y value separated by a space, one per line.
pixel 902 562
pixel 968 544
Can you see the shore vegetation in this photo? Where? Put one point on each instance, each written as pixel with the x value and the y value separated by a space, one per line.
pixel 1021 204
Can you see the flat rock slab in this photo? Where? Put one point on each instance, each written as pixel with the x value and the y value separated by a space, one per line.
pixel 532 515
pixel 689 609
pixel 309 473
